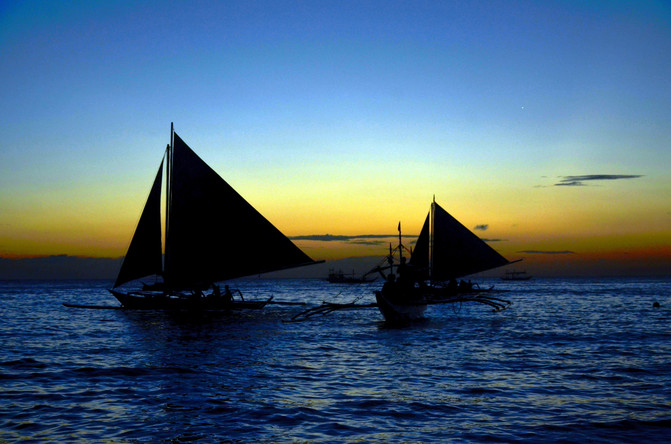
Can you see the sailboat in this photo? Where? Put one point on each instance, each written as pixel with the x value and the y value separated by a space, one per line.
pixel 212 234
pixel 445 251
pixel 400 299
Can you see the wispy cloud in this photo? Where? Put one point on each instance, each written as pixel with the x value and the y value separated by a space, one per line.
pixel 570 184
pixel 321 237
pixel 370 239
pixel 547 252
pixel 579 181
pixel 361 238
pixel 482 227
pixel 367 242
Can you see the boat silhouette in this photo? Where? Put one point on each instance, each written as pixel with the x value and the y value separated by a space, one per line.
pixel 212 234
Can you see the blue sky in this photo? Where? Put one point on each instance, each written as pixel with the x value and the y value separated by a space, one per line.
pixel 338 117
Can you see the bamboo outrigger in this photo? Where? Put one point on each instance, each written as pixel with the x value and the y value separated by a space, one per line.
pixel 326 308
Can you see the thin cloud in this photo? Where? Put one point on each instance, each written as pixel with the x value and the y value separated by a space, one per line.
pixel 367 242
pixel 579 181
pixel 361 238
pixel 482 227
pixel 547 252
pixel 493 240
pixel 321 237
pixel 570 184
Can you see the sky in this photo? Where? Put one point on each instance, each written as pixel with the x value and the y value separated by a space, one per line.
pixel 543 126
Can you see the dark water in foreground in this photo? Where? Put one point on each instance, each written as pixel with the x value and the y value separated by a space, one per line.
pixel 569 361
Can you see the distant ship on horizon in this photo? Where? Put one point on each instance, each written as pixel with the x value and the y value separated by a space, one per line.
pixel 339 277
pixel 516 276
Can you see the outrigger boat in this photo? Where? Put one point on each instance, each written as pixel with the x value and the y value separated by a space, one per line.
pixel 445 251
pixel 400 299
pixel 212 234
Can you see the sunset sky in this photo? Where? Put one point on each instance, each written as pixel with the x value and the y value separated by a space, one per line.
pixel 546 125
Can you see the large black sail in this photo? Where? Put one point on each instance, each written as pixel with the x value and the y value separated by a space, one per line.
pixel 213 233
pixel 457 251
pixel 144 253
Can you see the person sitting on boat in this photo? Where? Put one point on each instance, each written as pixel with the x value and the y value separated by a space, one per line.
pixel 228 296
pixel 465 286
pixel 452 286
pixel 217 296
pixel 196 296
pixel 216 292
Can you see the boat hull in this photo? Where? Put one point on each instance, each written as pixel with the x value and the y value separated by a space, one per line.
pixel 162 301
pixel 410 310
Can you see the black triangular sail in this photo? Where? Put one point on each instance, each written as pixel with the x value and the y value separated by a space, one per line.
pixel 144 253
pixel 456 251
pixel 215 234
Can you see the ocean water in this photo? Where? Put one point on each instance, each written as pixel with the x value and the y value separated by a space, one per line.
pixel 569 361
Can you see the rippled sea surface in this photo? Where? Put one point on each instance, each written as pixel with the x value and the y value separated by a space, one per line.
pixel 569 361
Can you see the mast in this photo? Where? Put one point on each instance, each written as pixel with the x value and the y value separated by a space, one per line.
pixel 432 213
pixel 390 259
pixel 168 197
pixel 400 244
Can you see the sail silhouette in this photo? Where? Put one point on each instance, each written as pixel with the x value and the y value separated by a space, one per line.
pixel 144 253
pixel 212 233
pixel 445 250
pixel 448 250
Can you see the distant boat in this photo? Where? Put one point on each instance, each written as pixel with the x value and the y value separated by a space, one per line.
pixel 212 234
pixel 338 277
pixel 516 276
pixel 445 251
